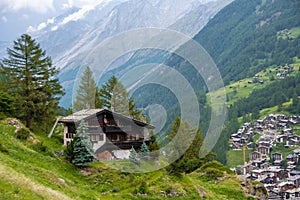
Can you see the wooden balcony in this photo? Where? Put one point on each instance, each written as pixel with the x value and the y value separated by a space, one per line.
pixel 116 129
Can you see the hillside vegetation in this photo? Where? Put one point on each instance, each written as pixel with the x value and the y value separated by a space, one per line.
pixel 30 170
pixel 249 36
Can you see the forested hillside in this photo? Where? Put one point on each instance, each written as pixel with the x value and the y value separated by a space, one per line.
pixel 249 36
pixel 244 38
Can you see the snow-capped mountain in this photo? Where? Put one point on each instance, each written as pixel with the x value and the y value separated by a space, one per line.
pixel 69 38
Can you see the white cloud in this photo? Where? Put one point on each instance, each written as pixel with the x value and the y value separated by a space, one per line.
pixel 82 3
pixel 67 5
pixel 4 19
pixel 77 15
pixel 40 6
pixel 40 26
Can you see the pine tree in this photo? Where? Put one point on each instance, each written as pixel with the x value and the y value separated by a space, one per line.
pixel 83 148
pixel 6 104
pixel 133 156
pixel 187 156
pixel 32 80
pixel 86 92
pixel 144 152
pixel 113 95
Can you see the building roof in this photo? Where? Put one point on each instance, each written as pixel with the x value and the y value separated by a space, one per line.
pixel 293 178
pixel 285 183
pixel 291 156
pixel 80 115
pixel 89 113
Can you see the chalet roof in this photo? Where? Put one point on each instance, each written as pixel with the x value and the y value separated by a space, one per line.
pixel 262 147
pixel 294 178
pixel 295 172
pixel 276 153
pixel 80 115
pixel 292 156
pixel 89 113
pixel 285 183
pixel 255 152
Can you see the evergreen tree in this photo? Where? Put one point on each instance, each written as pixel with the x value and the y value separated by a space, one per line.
pixel 6 104
pixel 32 81
pixel 188 159
pixel 83 152
pixel 144 152
pixel 255 113
pixel 295 104
pixel 133 156
pixel 86 92
pixel 113 95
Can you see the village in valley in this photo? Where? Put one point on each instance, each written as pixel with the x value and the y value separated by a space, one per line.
pixel 273 147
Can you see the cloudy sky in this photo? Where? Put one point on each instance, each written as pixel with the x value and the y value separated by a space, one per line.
pixel 17 15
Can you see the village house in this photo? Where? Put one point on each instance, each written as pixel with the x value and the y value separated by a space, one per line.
pixel 294 173
pixel 255 156
pixel 292 158
pixel 284 186
pixel 279 173
pixel 292 194
pixel 263 150
pixel 281 138
pixel 277 158
pixel 109 131
pixel 295 180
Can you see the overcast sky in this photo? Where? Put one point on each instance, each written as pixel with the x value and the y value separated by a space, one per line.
pixel 17 15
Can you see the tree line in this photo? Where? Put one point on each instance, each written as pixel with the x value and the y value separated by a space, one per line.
pixel 111 95
pixel 30 89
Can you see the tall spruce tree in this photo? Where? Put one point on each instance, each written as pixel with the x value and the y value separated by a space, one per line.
pixel 144 152
pixel 83 152
pixel 32 80
pixel 133 156
pixel 113 95
pixel 86 92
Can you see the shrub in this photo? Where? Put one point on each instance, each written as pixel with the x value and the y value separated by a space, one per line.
pixel 215 165
pixel 22 134
pixel 40 147
pixel 2 116
pixel 3 149
pixel 143 189
pixel 213 172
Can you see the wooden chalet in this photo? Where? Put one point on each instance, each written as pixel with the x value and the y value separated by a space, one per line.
pixel 108 131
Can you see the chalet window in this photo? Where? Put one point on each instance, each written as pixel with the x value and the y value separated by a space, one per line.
pixel 131 137
pixel 101 138
pixel 69 135
pixel 96 137
pixel 114 137
pixel 122 137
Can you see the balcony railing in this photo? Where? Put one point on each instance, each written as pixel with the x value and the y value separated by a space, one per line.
pixel 110 129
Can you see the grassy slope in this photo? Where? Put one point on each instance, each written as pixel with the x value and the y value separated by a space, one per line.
pixel 235 158
pixel 242 89
pixel 28 174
